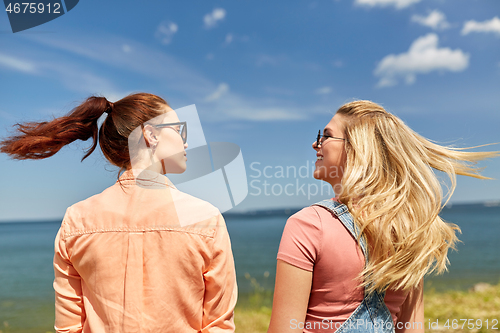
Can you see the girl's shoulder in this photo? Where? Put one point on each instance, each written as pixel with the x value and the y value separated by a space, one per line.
pixel 312 215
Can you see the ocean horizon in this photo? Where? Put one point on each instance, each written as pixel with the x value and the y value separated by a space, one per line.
pixel 26 253
pixel 286 211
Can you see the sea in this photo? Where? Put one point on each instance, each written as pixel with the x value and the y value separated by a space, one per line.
pixel 26 253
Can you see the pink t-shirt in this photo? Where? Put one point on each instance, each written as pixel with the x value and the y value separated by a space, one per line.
pixel 317 241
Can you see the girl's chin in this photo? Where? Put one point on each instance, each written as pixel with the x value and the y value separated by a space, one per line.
pixel 317 175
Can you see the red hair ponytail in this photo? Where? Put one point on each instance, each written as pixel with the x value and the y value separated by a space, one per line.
pixel 38 140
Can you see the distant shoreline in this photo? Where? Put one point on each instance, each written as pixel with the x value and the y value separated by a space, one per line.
pixel 282 212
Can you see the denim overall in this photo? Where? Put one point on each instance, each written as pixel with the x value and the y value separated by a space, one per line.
pixel 372 315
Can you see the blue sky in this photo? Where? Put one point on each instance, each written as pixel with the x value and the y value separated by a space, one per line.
pixel 263 75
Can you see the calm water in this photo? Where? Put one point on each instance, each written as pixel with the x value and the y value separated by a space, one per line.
pixel 26 251
pixel 256 241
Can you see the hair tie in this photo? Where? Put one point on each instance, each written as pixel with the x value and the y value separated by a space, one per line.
pixel 109 108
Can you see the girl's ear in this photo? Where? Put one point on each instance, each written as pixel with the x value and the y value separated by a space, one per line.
pixel 149 135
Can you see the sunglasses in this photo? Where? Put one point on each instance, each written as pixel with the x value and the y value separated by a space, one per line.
pixel 180 128
pixel 322 138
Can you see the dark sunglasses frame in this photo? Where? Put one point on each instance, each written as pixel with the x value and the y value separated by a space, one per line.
pixel 183 134
pixel 318 139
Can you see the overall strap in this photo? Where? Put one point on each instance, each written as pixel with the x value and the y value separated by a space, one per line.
pixel 373 308
pixel 342 212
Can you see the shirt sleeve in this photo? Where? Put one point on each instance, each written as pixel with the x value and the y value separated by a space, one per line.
pixel 301 240
pixel 69 310
pixel 221 290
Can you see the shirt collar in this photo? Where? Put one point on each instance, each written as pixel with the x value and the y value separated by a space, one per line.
pixel 145 178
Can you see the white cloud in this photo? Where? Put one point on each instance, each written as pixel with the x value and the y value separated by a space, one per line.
pixel 234 106
pixel 212 18
pixel 338 63
pixel 323 91
pixel 265 59
pixel 106 49
pixel 166 31
pixel 17 64
pixel 269 113
pixel 72 76
pixel 229 38
pixel 221 90
pixel 83 80
pixel 167 73
pixel 492 26
pixel 435 20
pixel 424 56
pixel 126 48
pixel 223 105
pixel 399 4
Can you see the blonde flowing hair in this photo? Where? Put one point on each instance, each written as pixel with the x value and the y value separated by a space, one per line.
pixel 395 197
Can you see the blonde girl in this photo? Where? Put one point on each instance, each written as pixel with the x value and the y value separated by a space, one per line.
pixel 356 263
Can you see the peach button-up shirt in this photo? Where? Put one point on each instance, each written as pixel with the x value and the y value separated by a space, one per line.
pixel 144 257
